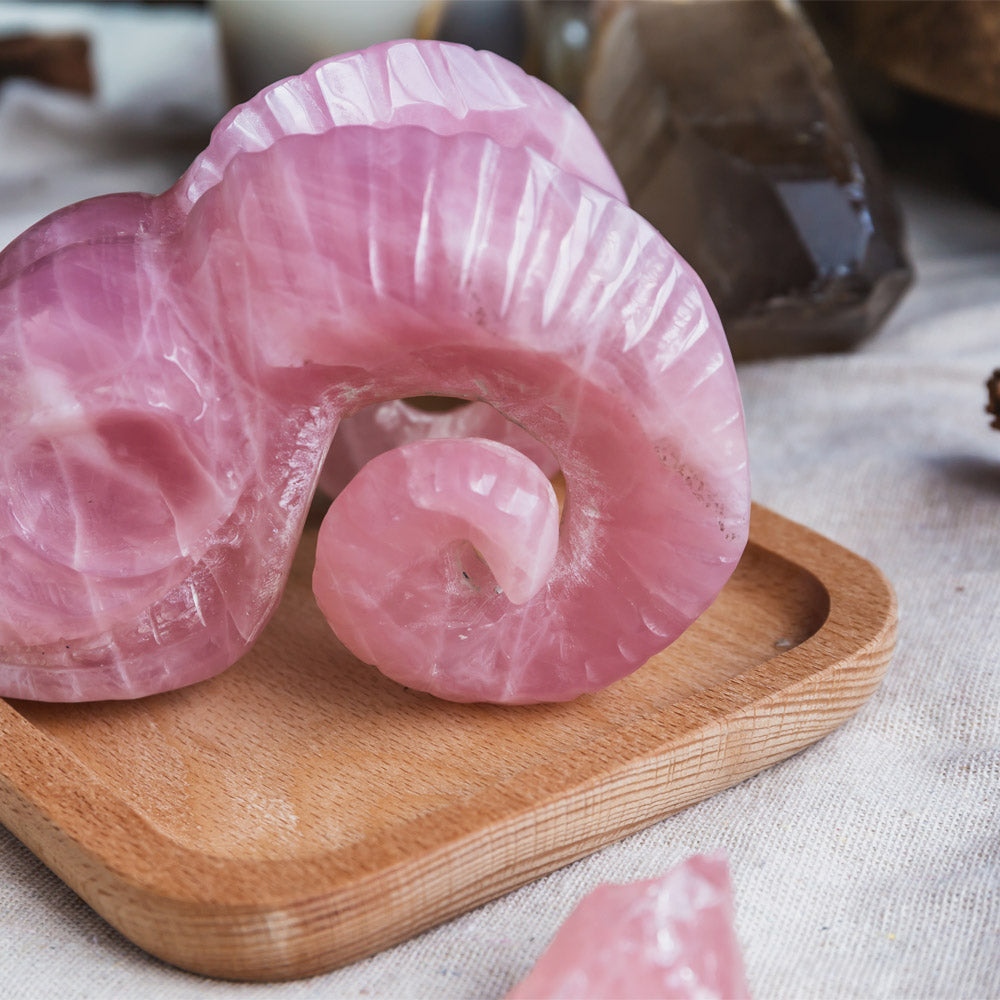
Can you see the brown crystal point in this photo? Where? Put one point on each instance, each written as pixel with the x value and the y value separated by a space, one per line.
pixel 728 130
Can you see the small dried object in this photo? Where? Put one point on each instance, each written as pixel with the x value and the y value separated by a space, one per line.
pixel 413 219
pixel 993 405
pixel 666 937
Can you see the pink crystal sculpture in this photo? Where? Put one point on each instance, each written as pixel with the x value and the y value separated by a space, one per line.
pixel 413 219
pixel 433 530
pixel 377 428
pixel 668 937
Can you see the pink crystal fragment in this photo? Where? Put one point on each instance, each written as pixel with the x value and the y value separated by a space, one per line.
pixel 173 369
pixel 668 937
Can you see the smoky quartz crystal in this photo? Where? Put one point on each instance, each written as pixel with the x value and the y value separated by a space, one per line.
pixel 727 127
pixel 731 134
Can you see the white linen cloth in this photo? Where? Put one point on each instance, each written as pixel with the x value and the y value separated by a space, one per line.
pixel 865 866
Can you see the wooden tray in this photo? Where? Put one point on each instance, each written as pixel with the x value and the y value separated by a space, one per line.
pixel 301 811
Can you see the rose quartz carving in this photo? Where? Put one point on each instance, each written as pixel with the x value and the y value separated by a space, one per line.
pixel 446 88
pixel 389 85
pixel 665 937
pixel 376 429
pixel 173 369
pixel 384 587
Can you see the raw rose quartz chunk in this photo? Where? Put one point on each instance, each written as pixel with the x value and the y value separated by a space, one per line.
pixel 174 369
pixel 669 937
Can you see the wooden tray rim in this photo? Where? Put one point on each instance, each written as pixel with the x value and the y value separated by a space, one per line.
pixel 59 789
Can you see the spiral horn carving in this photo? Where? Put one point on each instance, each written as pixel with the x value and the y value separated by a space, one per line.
pixel 173 374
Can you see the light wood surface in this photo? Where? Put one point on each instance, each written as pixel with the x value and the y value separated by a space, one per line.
pixel 300 811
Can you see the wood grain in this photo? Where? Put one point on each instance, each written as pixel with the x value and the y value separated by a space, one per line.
pixel 300 811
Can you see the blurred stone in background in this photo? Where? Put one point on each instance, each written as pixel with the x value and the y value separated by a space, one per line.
pixel 731 135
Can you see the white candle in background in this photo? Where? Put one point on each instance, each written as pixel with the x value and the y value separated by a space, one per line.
pixel 267 40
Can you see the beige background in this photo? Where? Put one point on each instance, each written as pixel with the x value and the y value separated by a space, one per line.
pixel 867 866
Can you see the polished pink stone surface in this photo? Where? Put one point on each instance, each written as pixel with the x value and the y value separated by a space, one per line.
pixel 396 422
pixel 173 369
pixel 420 559
pixel 441 87
pixel 668 937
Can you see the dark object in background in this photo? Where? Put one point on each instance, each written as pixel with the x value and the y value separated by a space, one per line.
pixel 728 130
pixel 61 61
pixel 730 134
pixel 550 39
pixel 933 69
pixel 993 390
pixel 946 49
pixel 497 25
